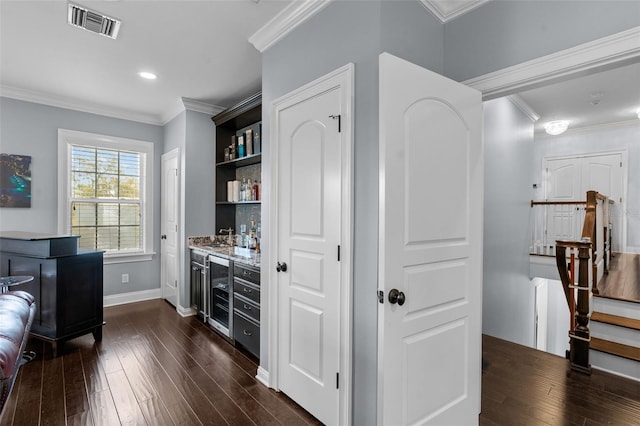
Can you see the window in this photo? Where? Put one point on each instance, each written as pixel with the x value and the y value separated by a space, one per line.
pixel 106 198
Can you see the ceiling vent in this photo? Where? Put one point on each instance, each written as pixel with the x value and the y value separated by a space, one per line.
pixel 93 21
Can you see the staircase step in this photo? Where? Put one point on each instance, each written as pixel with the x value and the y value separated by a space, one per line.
pixel 625 351
pixel 616 320
pixel 623 308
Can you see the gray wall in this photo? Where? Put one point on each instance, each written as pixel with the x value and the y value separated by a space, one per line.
pixel 32 129
pixel 508 296
pixel 599 140
pixel 354 32
pixel 194 134
pixel 199 182
pixel 502 33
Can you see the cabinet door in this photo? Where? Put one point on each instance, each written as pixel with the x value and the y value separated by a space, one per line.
pixel 79 299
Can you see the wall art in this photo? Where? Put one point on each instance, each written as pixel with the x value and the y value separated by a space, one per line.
pixel 15 180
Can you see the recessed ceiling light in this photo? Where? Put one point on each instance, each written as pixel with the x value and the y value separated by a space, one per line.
pixel 147 75
pixel 556 127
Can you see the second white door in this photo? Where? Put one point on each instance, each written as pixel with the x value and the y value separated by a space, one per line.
pixel 169 265
pixel 309 234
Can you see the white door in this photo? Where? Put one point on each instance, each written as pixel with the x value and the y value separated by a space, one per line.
pixel 604 173
pixel 309 225
pixel 169 227
pixel 569 179
pixel 563 183
pixel 430 247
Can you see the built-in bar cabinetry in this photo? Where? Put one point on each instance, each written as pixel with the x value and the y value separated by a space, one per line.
pixel 242 120
pixel 246 307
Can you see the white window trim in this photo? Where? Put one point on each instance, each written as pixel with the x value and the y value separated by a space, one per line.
pixel 66 138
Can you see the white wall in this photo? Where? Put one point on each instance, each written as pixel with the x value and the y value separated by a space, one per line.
pixel 508 294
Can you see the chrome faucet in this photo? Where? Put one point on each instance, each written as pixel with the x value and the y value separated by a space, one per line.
pixel 229 236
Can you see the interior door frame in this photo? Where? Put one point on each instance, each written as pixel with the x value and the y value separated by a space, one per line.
pixel 342 78
pixel 624 155
pixel 173 153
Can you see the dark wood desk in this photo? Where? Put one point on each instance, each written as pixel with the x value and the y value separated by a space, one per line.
pixel 67 285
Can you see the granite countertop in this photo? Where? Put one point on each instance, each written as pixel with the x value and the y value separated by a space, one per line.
pixel 212 246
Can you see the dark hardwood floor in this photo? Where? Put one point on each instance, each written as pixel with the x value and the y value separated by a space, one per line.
pixel 154 367
pixel 623 279
pixel 524 386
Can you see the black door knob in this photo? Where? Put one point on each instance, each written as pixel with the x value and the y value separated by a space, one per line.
pixel 396 296
pixel 281 267
pixel 163 237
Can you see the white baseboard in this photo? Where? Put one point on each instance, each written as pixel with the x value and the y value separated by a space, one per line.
pixel 131 297
pixel 263 376
pixel 185 312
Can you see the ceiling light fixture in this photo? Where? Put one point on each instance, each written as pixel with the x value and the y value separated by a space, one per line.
pixel 557 127
pixel 147 75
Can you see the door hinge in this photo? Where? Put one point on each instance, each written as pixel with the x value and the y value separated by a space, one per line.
pixel 339 118
pixel 337 380
pixel 621 164
pixel 338 253
pixel 380 296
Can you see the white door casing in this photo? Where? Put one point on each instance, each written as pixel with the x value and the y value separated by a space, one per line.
pixel 310 302
pixel 169 264
pixel 430 247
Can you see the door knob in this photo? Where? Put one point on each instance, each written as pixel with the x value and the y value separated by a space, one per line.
pixel 281 267
pixel 396 296
pixel 163 237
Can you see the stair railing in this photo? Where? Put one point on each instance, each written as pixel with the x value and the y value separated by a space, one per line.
pixel 593 247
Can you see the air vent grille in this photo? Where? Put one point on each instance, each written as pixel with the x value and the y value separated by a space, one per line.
pixel 93 21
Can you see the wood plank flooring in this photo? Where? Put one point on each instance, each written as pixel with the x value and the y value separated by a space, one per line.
pixel 154 367
pixel 524 386
pixel 623 280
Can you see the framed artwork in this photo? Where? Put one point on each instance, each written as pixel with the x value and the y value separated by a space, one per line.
pixel 15 180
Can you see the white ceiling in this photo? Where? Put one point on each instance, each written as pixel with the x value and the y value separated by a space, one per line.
pixel 200 50
pixel 607 97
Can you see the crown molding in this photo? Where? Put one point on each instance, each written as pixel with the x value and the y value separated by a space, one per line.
pixel 524 107
pixel 191 105
pixel 588 57
pixel 284 22
pixel 440 12
pixel 77 105
pixel 203 107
